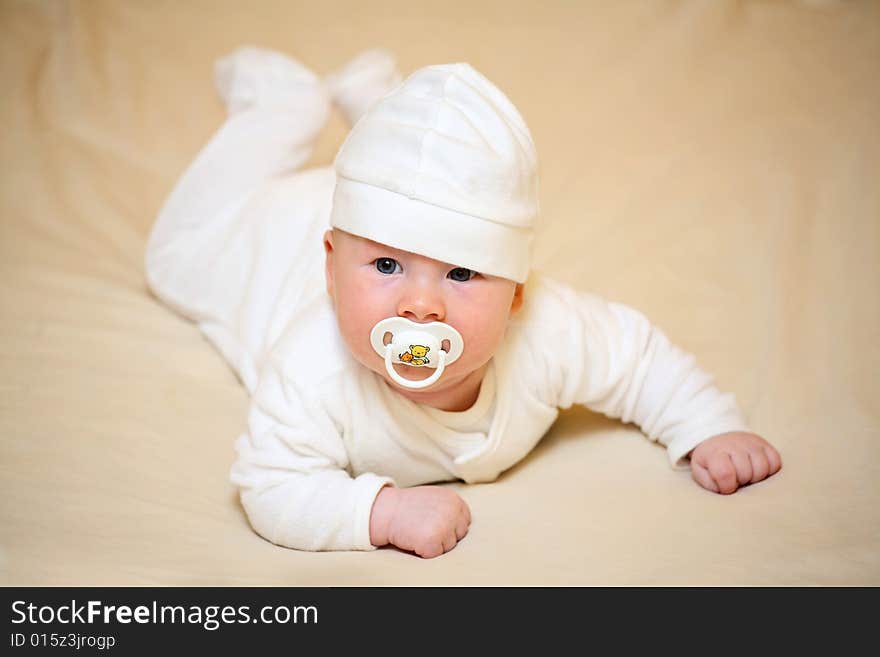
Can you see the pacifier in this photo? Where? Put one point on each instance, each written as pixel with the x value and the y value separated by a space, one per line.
pixel 434 345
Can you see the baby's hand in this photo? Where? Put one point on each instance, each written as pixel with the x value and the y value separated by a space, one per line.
pixel 727 461
pixel 427 520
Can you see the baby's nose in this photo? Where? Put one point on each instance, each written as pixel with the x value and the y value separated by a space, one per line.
pixel 422 304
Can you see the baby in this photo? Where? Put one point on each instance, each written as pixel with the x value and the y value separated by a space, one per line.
pixel 383 314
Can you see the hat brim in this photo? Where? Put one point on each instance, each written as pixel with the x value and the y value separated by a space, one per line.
pixel 405 223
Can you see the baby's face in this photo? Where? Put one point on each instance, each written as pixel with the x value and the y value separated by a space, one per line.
pixel 369 281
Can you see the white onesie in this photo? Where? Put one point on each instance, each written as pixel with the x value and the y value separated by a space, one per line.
pixel 237 249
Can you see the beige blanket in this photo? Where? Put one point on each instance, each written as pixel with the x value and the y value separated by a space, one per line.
pixel 713 164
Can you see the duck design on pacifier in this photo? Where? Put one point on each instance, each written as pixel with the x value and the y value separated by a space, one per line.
pixel 400 340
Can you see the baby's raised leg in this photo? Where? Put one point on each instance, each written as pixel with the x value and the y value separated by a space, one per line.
pixel 277 107
pixel 362 81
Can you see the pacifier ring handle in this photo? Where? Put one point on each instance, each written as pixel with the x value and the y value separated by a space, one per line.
pixel 406 383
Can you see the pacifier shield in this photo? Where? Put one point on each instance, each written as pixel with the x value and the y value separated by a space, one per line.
pixel 414 344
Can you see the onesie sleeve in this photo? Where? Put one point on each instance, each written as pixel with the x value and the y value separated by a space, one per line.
pixel 293 471
pixel 621 365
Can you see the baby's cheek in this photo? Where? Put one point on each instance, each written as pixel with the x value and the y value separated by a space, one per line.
pixel 485 319
pixel 358 314
pixel 349 316
pixel 482 338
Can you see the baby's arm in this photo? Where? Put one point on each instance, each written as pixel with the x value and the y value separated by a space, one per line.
pixel 294 485
pixel 627 368
pixel 292 471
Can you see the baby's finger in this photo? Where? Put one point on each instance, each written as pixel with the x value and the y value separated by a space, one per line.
pixel 773 459
pixel 760 466
pixel 723 472
pixel 449 542
pixel 430 550
pixel 743 466
pixel 461 529
pixel 467 511
pixel 702 477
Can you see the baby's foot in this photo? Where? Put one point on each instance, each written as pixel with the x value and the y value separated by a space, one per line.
pixel 362 81
pixel 250 76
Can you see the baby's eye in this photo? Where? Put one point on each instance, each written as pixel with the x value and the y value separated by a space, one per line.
pixel 387 265
pixel 461 274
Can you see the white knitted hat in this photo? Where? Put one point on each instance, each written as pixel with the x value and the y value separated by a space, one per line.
pixel 443 166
